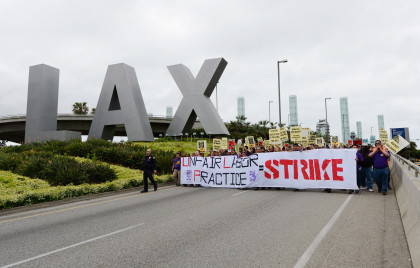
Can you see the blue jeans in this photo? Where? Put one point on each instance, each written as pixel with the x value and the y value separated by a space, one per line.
pixel 366 177
pixel 380 175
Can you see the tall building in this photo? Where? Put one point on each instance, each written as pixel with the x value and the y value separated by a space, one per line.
pixel 381 121
pixel 345 126
pixel 359 130
pixel 293 110
pixel 322 127
pixel 169 111
pixel 241 106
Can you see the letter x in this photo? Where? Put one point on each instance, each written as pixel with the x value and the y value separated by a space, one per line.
pixel 196 98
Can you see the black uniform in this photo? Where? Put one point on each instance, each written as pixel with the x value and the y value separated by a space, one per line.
pixel 148 167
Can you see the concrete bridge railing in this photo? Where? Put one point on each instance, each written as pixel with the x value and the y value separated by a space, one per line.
pixel 406 179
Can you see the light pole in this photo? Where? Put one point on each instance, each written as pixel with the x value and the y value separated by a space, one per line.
pixel 269 111
pixel 326 120
pixel 278 80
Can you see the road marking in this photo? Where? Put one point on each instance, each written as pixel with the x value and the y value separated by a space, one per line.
pixel 72 246
pixel 239 193
pixel 87 205
pixel 313 246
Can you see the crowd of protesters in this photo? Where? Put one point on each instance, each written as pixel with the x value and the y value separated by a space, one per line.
pixel 372 161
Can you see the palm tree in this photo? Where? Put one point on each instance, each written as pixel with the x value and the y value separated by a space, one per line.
pixel 80 108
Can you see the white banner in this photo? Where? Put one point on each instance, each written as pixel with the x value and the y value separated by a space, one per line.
pixel 333 168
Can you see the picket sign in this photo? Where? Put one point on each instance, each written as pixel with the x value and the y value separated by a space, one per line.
pixel 335 169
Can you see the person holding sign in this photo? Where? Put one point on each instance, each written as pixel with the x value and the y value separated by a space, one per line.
pixel 380 165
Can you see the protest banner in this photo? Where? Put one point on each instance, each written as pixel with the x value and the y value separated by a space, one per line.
pixel 383 135
pixel 275 136
pixel 231 144
pixel 396 144
pixel 283 134
pixel 295 133
pixel 216 144
pixel 224 143
pixel 202 146
pixel 334 169
pixel 266 144
pixel 250 142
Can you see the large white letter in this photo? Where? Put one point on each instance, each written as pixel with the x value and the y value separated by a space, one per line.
pixel 196 100
pixel 41 112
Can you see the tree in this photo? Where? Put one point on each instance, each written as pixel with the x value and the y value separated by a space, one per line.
pixel 80 108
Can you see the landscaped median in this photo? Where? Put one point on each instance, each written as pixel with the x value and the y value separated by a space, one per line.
pixel 17 190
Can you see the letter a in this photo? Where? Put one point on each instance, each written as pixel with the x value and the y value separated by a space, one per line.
pixel 121 102
pixel 196 100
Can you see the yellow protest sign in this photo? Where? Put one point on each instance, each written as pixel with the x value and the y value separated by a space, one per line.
pixel 319 141
pixel 202 146
pixel 274 135
pixel 216 144
pixel 306 132
pixel 383 135
pixel 312 139
pixel 266 144
pixel 283 134
pixel 250 142
pixel 224 144
pixel 396 144
pixel 295 133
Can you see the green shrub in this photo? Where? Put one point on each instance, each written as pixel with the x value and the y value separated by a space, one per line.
pixel 19 191
pixel 56 169
pixel 128 154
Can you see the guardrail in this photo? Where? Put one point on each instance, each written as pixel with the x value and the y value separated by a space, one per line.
pixel 406 180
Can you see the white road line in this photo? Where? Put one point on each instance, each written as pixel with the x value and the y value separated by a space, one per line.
pixel 72 246
pixel 239 193
pixel 313 246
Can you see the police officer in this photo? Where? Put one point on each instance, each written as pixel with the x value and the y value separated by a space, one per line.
pixel 148 167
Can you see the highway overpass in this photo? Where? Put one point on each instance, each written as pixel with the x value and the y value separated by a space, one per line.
pixel 12 128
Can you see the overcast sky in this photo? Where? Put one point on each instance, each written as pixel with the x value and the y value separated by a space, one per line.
pixel 368 51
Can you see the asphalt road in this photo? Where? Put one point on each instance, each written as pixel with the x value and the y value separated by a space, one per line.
pixel 208 227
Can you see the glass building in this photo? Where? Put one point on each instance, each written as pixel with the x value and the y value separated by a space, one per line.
pixel 381 121
pixel 293 113
pixel 345 126
pixel 241 106
pixel 359 130
pixel 322 127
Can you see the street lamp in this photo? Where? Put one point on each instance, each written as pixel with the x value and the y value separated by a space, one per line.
pixel 269 110
pixel 326 120
pixel 278 80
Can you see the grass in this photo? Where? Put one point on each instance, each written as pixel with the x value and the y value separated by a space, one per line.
pixel 18 190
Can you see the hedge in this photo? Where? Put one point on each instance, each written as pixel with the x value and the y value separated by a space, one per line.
pixel 21 190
